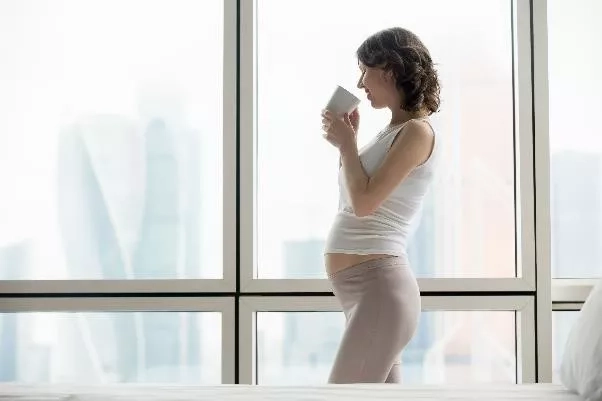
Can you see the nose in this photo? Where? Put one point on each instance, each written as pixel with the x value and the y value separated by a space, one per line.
pixel 360 83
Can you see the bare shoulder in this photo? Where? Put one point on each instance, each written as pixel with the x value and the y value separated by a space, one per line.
pixel 416 131
pixel 414 142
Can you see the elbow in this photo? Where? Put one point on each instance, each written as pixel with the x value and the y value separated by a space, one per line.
pixel 363 209
pixel 362 213
pixel 364 203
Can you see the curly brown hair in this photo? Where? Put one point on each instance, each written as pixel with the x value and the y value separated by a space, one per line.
pixel 402 52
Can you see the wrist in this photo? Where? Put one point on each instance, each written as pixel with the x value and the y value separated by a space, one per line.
pixel 348 149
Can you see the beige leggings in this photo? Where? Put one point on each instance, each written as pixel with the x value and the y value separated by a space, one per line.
pixel 381 301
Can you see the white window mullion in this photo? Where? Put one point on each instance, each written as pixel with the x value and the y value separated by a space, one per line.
pixel 229 140
pixel 247 342
pixel 526 343
pixel 141 286
pixel 525 320
pixel 542 180
pixel 247 161
pixel 228 340
pixel 525 206
pixel 465 285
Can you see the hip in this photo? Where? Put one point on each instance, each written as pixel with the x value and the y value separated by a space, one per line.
pixel 386 280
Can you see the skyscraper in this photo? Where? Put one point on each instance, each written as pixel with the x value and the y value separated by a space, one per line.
pixel 129 209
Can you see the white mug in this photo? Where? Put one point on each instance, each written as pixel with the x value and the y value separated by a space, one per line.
pixel 342 101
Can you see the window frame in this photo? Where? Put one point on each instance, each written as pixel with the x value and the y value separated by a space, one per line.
pixel 230 191
pixel 223 305
pixel 523 156
pixel 238 295
pixel 523 305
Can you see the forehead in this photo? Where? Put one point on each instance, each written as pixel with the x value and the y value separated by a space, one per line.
pixel 365 68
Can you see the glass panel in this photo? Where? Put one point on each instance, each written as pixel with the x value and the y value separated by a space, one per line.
pixel 448 347
pixel 574 64
pixel 562 323
pixel 110 139
pixel 99 347
pixel 467 228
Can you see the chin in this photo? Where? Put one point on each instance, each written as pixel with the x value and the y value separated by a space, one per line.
pixel 377 105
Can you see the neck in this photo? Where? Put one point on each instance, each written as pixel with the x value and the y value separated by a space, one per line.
pixel 400 116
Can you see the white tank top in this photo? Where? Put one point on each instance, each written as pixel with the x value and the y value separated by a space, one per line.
pixel 387 229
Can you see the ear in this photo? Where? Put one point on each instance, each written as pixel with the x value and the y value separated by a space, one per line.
pixel 387 76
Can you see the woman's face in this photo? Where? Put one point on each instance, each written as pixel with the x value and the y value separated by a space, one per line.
pixel 379 86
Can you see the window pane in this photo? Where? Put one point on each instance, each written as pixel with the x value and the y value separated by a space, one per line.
pixel 467 227
pixel 99 347
pixel 449 347
pixel 574 64
pixel 110 139
pixel 562 323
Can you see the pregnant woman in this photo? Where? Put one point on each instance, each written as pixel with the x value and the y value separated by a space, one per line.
pixel 382 188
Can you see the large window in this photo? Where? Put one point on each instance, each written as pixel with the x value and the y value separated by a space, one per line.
pixel 101 347
pixel 462 339
pixel 166 190
pixel 575 59
pixel 468 225
pixel 130 340
pixel 110 139
pixel 450 347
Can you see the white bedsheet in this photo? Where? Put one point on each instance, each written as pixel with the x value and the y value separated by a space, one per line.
pixel 357 392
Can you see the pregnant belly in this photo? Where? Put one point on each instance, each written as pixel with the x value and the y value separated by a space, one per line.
pixel 335 262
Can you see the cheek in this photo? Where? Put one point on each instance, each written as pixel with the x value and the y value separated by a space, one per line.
pixel 369 83
pixel 374 85
pixel 383 88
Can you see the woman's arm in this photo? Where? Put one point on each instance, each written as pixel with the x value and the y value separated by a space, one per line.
pixel 407 152
pixel 354 120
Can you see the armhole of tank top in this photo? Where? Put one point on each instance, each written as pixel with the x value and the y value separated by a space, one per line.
pixel 430 156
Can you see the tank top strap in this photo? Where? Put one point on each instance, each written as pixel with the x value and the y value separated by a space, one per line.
pixel 390 133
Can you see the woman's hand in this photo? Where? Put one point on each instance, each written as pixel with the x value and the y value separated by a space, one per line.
pixel 340 131
pixel 354 119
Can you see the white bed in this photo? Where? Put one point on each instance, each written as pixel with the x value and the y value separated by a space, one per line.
pixel 523 392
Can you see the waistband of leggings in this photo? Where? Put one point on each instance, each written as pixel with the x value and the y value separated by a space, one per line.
pixel 387 261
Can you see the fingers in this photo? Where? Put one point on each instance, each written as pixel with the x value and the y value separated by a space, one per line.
pixel 354 115
pixel 327 114
pixel 326 120
pixel 329 139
